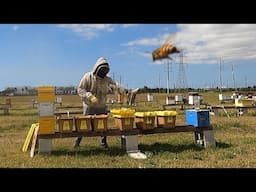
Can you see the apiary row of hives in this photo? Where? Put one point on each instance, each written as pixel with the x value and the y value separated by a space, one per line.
pixel 128 118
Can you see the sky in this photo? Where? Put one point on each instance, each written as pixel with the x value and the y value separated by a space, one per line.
pixel 59 54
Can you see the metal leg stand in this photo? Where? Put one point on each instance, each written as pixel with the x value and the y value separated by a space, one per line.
pixel 131 145
pixel 199 138
pixel 208 138
pixel 45 146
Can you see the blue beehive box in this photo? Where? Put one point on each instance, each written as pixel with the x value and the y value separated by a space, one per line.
pixel 198 118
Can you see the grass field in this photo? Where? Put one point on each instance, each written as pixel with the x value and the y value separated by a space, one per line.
pixel 235 136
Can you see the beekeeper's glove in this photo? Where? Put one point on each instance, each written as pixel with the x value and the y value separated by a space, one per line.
pixel 93 99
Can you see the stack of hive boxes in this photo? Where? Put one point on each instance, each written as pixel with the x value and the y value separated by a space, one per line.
pixel 46 98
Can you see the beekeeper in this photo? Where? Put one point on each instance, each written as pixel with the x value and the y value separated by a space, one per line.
pixel 93 89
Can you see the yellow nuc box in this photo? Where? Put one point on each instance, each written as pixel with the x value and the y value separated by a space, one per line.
pixel 46 94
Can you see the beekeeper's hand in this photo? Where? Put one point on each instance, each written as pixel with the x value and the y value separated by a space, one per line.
pixel 93 99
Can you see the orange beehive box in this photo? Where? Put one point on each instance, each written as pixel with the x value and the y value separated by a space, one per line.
pixel 124 118
pixel 65 124
pixel 124 123
pixel 145 120
pixel 166 119
pixel 83 123
pixel 100 122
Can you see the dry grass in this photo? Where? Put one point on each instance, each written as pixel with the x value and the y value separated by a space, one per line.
pixel 235 136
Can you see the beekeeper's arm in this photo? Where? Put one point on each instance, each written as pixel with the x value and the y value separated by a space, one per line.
pixel 115 87
pixel 84 89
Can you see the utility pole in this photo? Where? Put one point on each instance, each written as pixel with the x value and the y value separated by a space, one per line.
pixel 168 77
pixel 220 76
pixel 159 83
pixel 181 80
pixel 233 76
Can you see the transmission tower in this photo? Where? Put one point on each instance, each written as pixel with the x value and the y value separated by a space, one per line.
pixel 168 77
pixel 181 81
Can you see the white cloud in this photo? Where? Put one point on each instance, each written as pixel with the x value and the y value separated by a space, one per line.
pixel 15 27
pixel 144 42
pixel 206 43
pixel 88 30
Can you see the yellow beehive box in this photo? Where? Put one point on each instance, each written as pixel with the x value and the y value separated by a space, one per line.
pixel 83 123
pixel 145 120
pixel 46 125
pixel 243 102
pixel 65 124
pixel 100 122
pixel 124 118
pixel 166 119
pixel 46 94
pixel 124 112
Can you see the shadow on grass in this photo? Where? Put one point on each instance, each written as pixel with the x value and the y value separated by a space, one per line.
pixel 166 147
pixel 118 151
pixel 89 151
pixel 222 145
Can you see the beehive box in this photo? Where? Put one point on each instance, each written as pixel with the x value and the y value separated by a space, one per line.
pixel 83 123
pixel 65 124
pixel 46 125
pixel 124 118
pixel 100 123
pixel 198 118
pixel 145 120
pixel 166 119
pixel 243 102
pixel 124 123
pixel 46 94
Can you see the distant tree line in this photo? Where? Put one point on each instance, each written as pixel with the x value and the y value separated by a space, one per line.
pixel 26 90
pixel 146 89
pixel 72 90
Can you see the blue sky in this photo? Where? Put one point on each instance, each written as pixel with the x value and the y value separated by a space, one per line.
pixel 59 55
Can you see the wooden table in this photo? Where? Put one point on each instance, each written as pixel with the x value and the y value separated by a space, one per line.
pixel 203 135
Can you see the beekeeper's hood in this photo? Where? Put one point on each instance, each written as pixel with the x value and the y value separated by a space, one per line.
pixel 101 67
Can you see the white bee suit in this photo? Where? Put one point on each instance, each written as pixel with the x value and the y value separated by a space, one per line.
pixel 95 84
pixel 91 84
